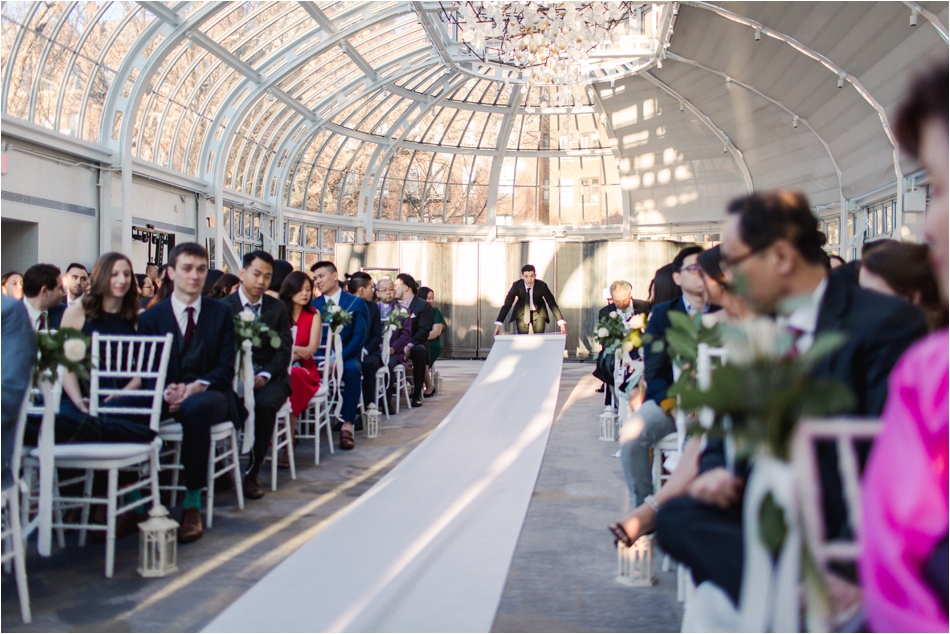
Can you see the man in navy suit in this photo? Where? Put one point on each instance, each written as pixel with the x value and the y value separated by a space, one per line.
pixel 658 373
pixel 361 285
pixel 43 296
pixel 326 279
pixel 198 390
pixel 19 353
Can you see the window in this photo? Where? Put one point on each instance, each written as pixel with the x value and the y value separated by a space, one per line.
pixel 831 230
pixel 591 190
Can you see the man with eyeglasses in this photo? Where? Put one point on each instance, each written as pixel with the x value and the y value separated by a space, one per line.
pixel 652 421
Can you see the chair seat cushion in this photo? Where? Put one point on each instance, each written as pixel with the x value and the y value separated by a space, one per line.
pixel 99 450
pixel 171 430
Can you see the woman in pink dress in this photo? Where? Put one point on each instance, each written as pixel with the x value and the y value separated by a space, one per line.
pixel 904 568
pixel 296 293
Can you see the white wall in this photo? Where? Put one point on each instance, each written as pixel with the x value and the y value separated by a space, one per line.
pixel 167 208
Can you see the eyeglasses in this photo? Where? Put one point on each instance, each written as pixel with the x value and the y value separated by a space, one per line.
pixel 730 264
pixel 692 268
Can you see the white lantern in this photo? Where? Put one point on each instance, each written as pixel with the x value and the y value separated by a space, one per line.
pixel 635 564
pixel 372 421
pixel 437 381
pixel 608 425
pixel 158 544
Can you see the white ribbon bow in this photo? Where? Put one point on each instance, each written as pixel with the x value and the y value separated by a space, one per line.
pixel 244 386
pixel 46 441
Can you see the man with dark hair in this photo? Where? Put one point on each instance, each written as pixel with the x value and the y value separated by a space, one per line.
pixel 531 299
pixel 271 379
pixel 421 319
pixel 198 390
pixel 361 285
pixel 151 271
pixel 74 282
pixel 656 421
pixel 771 246
pixel 353 336
pixel 43 296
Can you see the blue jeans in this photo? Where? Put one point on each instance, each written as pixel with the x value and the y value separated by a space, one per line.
pixel 635 451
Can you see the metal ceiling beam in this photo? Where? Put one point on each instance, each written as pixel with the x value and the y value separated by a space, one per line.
pixel 931 17
pixel 162 12
pixel 359 60
pixel 225 56
pixel 318 16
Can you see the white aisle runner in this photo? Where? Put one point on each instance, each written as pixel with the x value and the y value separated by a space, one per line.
pixel 428 547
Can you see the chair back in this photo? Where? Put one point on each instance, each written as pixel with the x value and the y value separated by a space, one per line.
pixel 35 405
pixel 293 342
pixel 844 432
pixel 17 456
pixel 384 350
pixel 123 358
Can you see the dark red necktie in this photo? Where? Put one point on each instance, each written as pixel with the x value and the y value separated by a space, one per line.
pixel 42 322
pixel 190 329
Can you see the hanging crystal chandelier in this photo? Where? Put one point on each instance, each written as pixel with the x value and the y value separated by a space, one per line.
pixel 549 42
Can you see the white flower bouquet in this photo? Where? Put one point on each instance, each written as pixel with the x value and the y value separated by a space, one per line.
pixel 66 347
pixel 248 327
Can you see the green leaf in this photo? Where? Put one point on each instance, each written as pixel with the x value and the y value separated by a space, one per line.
pixel 683 322
pixel 824 345
pixel 773 529
pixel 256 342
pixel 681 345
pixel 274 341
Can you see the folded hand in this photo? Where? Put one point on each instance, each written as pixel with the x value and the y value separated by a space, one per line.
pixel 716 486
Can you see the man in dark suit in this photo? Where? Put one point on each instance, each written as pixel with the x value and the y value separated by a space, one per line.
pixel 271 378
pixel 19 354
pixel 353 335
pixel 198 390
pixel 635 443
pixel 531 299
pixel 772 247
pixel 43 296
pixel 421 318
pixel 361 285
pixel 75 281
pixel 621 295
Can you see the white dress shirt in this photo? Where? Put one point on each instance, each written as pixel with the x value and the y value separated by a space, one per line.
pixel 35 314
pixel 246 303
pixel 804 317
pixel 72 302
pixel 335 298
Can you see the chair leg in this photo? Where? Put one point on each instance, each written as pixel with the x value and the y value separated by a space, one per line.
pixel 290 453
pixel 212 457
pixel 87 493
pixel 19 555
pixel 318 416
pixel 110 521
pixel 236 470
pixel 176 473
pixel 153 476
pixel 274 450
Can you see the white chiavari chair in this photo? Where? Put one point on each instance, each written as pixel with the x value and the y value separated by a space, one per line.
pixel 145 358
pixel 316 415
pixel 282 436
pixel 14 541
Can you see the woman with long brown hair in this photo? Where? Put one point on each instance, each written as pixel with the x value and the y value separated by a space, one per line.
pixel 109 307
pixel 902 269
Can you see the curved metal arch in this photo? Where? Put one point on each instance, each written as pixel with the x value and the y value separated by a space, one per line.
pixel 775 102
pixel 50 42
pixel 709 123
pixel 14 53
pixel 931 17
pixel 822 59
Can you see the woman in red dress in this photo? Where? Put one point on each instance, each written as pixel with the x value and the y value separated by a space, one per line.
pixel 296 293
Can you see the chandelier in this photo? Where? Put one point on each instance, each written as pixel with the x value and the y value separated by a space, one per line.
pixel 548 42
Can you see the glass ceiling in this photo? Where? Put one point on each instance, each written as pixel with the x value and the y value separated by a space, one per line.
pixel 339 108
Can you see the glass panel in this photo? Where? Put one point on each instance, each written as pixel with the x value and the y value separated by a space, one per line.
pixel 294 258
pixel 348 236
pixel 329 238
pixel 310 259
pixel 257 227
pixel 227 222
pixel 312 233
pixel 833 232
pixel 247 226
pixel 294 237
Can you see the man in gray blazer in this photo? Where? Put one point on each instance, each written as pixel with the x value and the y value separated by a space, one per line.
pixel 19 353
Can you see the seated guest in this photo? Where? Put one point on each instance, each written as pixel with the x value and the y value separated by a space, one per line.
pixel 772 252
pixel 198 389
pixel 621 295
pixel 213 276
pixel 271 381
pixel 386 291
pixel 296 293
pixel 904 556
pixel 902 269
pixel 420 315
pixel 836 261
pixel 111 307
pixel 19 354
pixel 282 268
pixel 353 335
pixel 74 282
pixel 435 337
pixel 734 309
pixel 652 420
pixel 165 287
pixel 361 285
pixel 225 285
pixel 662 287
pixel 43 295
pixel 151 272
pixel 146 289
pixel 12 285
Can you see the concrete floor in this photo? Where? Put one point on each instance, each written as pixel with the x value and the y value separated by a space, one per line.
pixel 561 578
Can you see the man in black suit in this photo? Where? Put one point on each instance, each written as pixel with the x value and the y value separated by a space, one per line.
pixel 531 299
pixel 773 249
pixel 621 295
pixel 420 315
pixel 43 296
pixel 271 378
pixel 636 440
pixel 198 390
pixel 75 281
pixel 361 285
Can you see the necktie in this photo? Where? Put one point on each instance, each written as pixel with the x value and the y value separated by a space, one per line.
pixel 796 333
pixel 190 328
pixel 41 322
pixel 531 309
pixel 255 308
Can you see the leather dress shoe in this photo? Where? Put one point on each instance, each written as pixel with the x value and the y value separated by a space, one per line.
pixel 190 529
pixel 417 401
pixel 252 487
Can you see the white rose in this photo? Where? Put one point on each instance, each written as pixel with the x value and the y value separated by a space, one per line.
pixel 613 314
pixel 603 332
pixel 636 322
pixel 755 338
pixel 334 309
pixel 710 320
pixel 75 350
pixel 247 316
